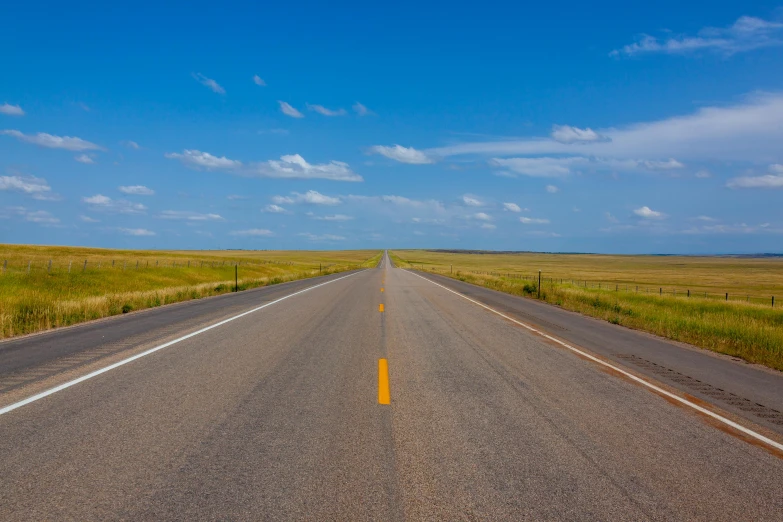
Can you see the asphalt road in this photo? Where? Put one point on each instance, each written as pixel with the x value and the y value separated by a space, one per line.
pixel 275 415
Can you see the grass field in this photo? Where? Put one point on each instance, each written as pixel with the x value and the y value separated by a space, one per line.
pixel 649 293
pixel 45 287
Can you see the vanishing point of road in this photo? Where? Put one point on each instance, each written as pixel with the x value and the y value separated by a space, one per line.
pixel 381 394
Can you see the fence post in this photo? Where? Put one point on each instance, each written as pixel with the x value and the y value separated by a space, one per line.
pixel 112 262
pixel 773 301
pixel 69 266
pixel 5 265
pixel 137 264
pixel 539 284
pixel 84 268
pixel 29 264
pixel 50 266
pixel 689 293
pixel 660 291
pixel 236 278
pixel 727 296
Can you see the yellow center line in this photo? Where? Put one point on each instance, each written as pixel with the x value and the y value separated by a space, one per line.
pixel 380 307
pixel 384 397
pixel 381 289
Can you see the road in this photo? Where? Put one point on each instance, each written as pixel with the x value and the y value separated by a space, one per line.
pixel 269 405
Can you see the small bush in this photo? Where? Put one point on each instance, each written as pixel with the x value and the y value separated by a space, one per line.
pixel 127 308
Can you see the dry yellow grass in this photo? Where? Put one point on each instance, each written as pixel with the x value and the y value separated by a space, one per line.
pixel 46 287
pixel 750 330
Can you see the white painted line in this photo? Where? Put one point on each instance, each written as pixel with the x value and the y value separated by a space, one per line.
pixel 123 362
pixel 686 402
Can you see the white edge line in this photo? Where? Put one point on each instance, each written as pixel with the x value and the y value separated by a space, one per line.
pixel 123 362
pixel 705 411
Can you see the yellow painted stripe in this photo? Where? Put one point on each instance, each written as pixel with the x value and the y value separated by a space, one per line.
pixel 384 397
pixel 381 289
pixel 380 307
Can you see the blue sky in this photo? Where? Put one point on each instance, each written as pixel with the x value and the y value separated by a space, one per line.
pixel 568 126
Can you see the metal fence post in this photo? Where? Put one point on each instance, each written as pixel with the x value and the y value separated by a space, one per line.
pixel 84 268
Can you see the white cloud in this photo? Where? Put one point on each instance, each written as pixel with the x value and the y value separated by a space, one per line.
pixel 101 202
pixel 482 216
pixel 323 237
pixel 705 218
pixel 258 81
pixel 320 109
pixel 746 34
pixel 137 190
pixel 274 209
pixel 43 139
pixel 669 164
pixel 569 134
pixel 288 110
pixel 552 189
pixel 703 174
pixel 84 158
pixel 130 144
pixel 610 218
pixel 209 82
pixel 38 188
pixel 648 213
pixel 256 232
pixel 489 226
pixel 311 197
pixel 136 232
pixel 539 167
pixel 233 197
pixel 198 159
pixel 774 180
pixel 472 201
pixel 533 221
pixel 402 154
pixel 88 219
pixel 749 131
pixel 512 207
pixel 11 110
pixel 294 166
pixel 34 216
pixel 189 216
pixel 335 217
pixel 361 110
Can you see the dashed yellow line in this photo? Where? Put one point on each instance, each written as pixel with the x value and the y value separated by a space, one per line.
pixel 380 307
pixel 381 289
pixel 384 397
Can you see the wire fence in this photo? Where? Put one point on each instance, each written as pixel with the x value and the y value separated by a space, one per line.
pixel 669 290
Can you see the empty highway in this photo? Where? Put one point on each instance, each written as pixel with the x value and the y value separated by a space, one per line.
pixel 381 394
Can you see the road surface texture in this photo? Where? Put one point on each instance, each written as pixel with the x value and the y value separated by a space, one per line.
pixel 278 414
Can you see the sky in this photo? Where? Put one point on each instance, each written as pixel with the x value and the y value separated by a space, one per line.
pixel 558 127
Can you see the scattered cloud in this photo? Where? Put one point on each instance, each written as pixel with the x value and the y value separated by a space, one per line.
pixel 258 81
pixel 233 197
pixel 610 218
pixel 569 134
pixel 708 219
pixel 294 166
pixel 773 180
pixel 361 110
pixel 323 237
pixel 288 110
pixel 669 164
pixel 209 82
pixel 533 221
pixel 136 232
pixel 187 215
pixel 88 219
pixel 746 34
pixel 489 226
pixel 253 232
pixel 539 167
pixel 311 197
pixel 121 206
pixel 552 189
pixel 335 217
pixel 320 109
pixel 84 158
pixel 205 160
pixel 482 216
pixel 274 209
pixel 43 139
pixel 512 207
pixel 33 216
pixel 11 110
pixel 130 144
pixel 748 131
pixel 403 154
pixel 703 174
pixel 472 201
pixel 37 188
pixel 137 190
pixel 648 213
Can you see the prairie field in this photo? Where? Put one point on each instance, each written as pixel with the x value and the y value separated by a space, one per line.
pixel 44 287
pixel 679 297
